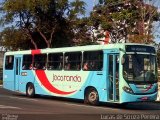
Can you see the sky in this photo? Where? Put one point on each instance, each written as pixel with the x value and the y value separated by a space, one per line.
pixel 89 6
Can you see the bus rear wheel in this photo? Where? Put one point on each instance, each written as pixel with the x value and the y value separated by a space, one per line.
pixel 91 97
pixel 30 90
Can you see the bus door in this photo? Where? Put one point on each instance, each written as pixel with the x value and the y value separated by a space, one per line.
pixel 17 72
pixel 113 77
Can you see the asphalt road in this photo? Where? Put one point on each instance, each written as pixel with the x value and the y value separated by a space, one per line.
pixel 15 106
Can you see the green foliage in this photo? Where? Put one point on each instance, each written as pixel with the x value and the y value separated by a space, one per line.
pixel 14 39
pixel 78 8
pixel 58 23
pixel 125 18
pixel 46 18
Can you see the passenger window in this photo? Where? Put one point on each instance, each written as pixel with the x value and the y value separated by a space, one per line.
pixel 73 61
pixel 9 61
pixel 55 61
pixel 93 60
pixel 27 62
pixel 40 61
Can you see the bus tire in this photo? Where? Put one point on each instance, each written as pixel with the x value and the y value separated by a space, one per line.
pixel 91 97
pixel 30 90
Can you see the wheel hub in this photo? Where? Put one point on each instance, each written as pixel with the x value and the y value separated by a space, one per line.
pixel 30 90
pixel 92 96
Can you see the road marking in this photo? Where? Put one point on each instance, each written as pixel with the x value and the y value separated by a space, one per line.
pixel 95 107
pixel 8 107
pixel 22 98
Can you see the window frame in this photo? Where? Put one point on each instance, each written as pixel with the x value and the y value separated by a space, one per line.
pixel 95 61
pixel 78 67
pixel 12 63
pixel 31 63
pixel 48 61
pixel 38 63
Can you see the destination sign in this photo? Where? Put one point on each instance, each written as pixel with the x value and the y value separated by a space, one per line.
pixel 140 48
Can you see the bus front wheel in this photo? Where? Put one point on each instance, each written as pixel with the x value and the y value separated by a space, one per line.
pixel 30 91
pixel 91 97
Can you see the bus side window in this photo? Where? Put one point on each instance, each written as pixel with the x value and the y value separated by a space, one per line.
pixel 73 61
pixel 9 61
pixel 85 66
pixel 40 61
pixel 93 60
pixel 55 61
pixel 27 62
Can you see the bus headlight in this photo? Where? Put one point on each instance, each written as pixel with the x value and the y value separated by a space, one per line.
pixel 128 90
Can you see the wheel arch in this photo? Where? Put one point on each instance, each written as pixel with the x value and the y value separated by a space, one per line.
pixel 86 91
pixel 89 87
pixel 29 84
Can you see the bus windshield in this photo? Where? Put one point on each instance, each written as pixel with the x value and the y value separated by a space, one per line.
pixel 140 68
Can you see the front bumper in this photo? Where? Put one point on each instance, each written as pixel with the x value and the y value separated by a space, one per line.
pixel 126 97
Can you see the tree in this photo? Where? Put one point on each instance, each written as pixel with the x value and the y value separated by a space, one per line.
pixel 125 20
pixel 14 39
pixel 148 14
pixel 82 30
pixel 45 17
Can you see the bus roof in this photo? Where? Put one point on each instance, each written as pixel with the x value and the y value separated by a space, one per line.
pixel 76 48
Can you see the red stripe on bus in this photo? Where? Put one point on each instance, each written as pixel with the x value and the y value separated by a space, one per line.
pixel 38 51
pixel 45 82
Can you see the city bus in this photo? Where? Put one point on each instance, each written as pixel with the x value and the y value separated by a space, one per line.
pixel 113 73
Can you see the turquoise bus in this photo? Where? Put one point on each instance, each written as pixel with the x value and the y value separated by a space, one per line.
pixel 116 73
